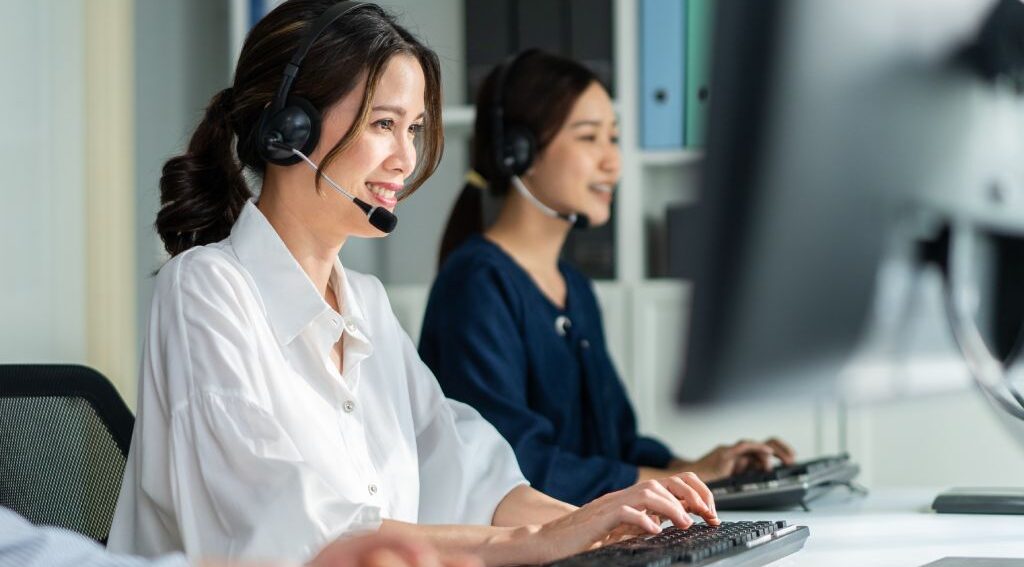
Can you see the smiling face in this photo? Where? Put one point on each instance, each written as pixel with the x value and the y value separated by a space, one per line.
pixel 376 165
pixel 579 168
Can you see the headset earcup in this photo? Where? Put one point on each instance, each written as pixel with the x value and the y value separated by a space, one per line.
pixel 297 125
pixel 520 146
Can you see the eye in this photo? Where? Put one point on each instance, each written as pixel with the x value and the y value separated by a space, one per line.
pixel 385 124
pixel 615 139
pixel 588 138
pixel 415 129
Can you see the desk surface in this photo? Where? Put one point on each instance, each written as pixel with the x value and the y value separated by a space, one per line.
pixel 892 527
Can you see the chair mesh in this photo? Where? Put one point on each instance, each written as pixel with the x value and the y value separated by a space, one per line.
pixel 59 464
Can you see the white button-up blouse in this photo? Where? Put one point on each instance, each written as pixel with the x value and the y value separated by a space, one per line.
pixel 248 441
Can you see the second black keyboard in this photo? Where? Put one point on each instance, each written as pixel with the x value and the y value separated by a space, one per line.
pixel 784 486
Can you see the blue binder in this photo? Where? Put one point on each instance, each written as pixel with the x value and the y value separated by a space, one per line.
pixel 257 9
pixel 662 73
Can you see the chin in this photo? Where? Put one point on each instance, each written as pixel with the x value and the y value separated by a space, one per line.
pixel 599 217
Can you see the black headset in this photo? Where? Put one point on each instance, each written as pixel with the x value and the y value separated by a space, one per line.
pixel 292 122
pixel 514 144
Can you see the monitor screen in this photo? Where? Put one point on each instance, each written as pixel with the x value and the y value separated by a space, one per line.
pixel 841 136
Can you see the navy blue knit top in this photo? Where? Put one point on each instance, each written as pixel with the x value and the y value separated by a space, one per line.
pixel 540 374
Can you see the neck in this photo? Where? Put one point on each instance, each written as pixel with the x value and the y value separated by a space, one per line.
pixel 314 253
pixel 533 238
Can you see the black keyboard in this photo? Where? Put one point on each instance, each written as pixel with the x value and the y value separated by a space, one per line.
pixel 731 544
pixel 784 486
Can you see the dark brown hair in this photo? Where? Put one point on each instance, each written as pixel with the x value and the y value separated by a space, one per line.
pixel 540 91
pixel 202 191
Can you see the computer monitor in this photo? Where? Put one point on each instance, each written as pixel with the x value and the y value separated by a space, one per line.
pixel 844 137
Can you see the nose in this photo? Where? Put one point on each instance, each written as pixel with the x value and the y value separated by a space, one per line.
pixel 403 156
pixel 611 159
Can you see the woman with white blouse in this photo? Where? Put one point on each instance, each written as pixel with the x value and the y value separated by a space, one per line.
pixel 281 405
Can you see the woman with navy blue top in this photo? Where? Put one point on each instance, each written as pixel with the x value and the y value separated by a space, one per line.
pixel 514 331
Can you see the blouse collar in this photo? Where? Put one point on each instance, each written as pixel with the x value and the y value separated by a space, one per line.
pixel 291 300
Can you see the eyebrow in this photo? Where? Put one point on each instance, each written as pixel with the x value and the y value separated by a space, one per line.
pixel 396 109
pixel 580 123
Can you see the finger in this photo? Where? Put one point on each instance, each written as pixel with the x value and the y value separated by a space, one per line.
pixel 657 499
pixel 759 452
pixel 693 502
pixel 742 447
pixel 632 516
pixel 763 460
pixel 704 493
pixel 751 462
pixel 742 464
pixel 782 450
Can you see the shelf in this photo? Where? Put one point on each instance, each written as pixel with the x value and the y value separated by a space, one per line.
pixel 462 116
pixel 458 116
pixel 671 157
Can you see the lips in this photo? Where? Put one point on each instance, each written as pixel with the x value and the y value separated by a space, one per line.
pixel 385 194
pixel 602 191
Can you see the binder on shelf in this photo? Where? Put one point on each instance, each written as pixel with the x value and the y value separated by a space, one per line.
pixel 683 223
pixel 489 39
pixel 590 22
pixel 495 29
pixel 662 73
pixel 543 24
pixel 259 8
pixel 700 24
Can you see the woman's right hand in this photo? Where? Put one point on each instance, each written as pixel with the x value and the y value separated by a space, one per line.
pixel 633 511
pixel 742 456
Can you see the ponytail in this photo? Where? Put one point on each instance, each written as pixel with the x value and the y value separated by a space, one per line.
pixel 203 191
pixel 466 218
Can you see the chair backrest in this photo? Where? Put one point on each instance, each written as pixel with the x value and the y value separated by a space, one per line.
pixel 64 438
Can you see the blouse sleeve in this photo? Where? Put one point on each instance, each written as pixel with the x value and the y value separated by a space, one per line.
pixel 466 467
pixel 240 488
pixel 472 341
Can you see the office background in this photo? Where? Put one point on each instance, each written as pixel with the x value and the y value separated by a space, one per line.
pixel 98 93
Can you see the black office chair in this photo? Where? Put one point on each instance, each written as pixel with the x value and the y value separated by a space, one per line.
pixel 64 437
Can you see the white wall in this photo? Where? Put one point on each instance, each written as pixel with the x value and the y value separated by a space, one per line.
pixel 182 59
pixel 42 196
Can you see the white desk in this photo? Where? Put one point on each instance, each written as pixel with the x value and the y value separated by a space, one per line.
pixel 892 527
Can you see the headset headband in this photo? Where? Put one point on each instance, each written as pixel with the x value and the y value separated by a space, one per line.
pixel 498 109
pixel 319 26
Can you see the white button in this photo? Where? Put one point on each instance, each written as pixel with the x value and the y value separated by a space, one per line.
pixel 585 343
pixel 562 325
pixel 334 322
pixel 351 327
pixel 349 406
pixel 372 488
